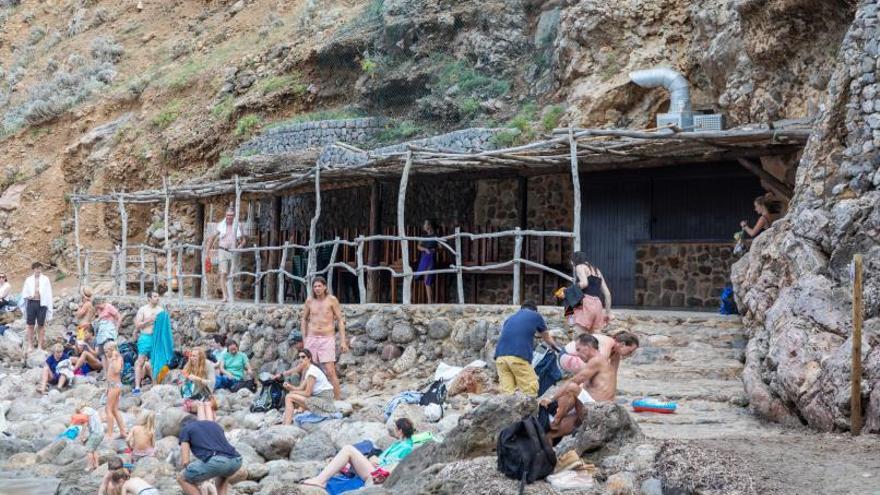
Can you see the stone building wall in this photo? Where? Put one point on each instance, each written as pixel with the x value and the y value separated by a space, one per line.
pixel 682 275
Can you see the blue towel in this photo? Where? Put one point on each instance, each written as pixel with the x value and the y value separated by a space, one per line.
pixel 340 484
pixel 406 397
pixel 548 372
pixel 310 417
pixel 163 344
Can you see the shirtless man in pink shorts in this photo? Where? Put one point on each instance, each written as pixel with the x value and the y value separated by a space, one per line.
pixel 321 313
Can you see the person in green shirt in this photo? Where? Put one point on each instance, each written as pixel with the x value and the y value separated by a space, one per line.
pixel 364 467
pixel 233 366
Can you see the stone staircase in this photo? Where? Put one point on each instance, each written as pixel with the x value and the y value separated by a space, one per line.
pixel 693 359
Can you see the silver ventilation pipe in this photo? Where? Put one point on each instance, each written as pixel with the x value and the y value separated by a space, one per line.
pixel 673 81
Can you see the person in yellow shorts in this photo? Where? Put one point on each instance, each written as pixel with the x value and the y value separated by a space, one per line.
pixel 513 353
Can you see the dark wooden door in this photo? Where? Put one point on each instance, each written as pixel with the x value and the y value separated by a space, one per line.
pixel 615 215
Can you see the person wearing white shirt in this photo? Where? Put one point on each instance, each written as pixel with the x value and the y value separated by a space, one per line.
pixel 5 292
pixel 36 299
pixel 226 242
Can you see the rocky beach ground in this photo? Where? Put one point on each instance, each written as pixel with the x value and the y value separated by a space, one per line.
pixel 713 444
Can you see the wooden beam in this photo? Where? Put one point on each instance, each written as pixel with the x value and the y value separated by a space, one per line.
pixel 123 242
pixel 375 228
pixel 774 184
pixel 236 224
pixel 199 284
pixel 167 244
pixel 401 230
pixel 313 233
pixel 517 254
pixel 459 280
pixel 576 185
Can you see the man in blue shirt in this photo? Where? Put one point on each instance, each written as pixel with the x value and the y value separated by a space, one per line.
pixel 215 457
pixel 513 354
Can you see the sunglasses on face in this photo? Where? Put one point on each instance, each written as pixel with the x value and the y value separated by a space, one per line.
pixel 302 356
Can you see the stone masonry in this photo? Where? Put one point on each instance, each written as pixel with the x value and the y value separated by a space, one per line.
pixel 682 275
pixel 305 135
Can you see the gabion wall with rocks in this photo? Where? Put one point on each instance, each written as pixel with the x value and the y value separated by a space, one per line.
pixel 305 135
pixel 464 140
pixel 682 275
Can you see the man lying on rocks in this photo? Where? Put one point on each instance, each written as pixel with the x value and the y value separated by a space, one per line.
pixel 596 381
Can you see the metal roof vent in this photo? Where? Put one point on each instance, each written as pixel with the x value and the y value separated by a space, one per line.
pixel 680 113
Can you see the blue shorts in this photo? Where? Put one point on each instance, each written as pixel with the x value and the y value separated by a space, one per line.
pixel 218 466
pixel 145 344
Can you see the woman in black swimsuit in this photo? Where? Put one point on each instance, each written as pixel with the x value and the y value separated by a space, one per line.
pixel 595 309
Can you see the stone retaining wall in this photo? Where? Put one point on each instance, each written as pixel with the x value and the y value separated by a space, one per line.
pixel 455 334
pixel 305 135
pixel 682 275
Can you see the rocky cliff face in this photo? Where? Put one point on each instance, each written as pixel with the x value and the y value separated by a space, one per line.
pixel 795 283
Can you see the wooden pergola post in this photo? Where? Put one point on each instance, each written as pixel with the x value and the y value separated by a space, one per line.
pixel 362 287
pixel 401 230
pixel 79 267
pixel 517 254
pixel 167 242
pixel 576 184
pixel 230 279
pixel 281 264
pixel 123 247
pixel 200 285
pixel 312 265
pixel 375 246
pixel 330 265
pixel 459 279
pixel 274 240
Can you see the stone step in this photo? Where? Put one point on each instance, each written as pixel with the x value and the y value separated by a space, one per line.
pixel 698 353
pixel 701 419
pixel 716 369
pixel 682 391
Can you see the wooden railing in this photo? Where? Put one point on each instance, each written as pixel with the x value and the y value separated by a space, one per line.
pixel 146 261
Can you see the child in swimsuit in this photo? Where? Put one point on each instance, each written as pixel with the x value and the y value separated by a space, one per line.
pixel 141 438
pixel 114 390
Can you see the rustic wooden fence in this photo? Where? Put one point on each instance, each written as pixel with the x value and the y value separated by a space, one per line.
pixel 139 264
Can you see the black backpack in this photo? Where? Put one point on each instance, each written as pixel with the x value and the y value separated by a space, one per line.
pixel 524 453
pixel 271 396
pixel 435 394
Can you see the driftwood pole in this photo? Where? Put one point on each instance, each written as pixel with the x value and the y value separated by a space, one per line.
pixel 79 271
pixel 362 287
pixel 858 313
pixel 86 268
pixel 576 184
pixel 142 269
pixel 330 264
pixel 258 276
pixel 281 265
pixel 459 279
pixel 179 278
pixel 312 265
pixel 517 254
pixel 230 280
pixel 123 255
pixel 401 230
pixel 167 243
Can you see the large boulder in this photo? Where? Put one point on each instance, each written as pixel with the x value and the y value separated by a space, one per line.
pixel 275 442
pixel 316 445
pixel 793 285
pixel 605 429
pixel 168 421
pixel 475 435
pixel 350 432
pixel 10 446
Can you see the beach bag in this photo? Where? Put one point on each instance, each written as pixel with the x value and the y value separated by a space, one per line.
pixel 573 296
pixel 127 373
pixel 128 352
pixel 435 394
pixel 728 304
pixel 524 453
pixel 271 396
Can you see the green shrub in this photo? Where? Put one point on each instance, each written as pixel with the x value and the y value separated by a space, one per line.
pixel 397 132
pixel 182 78
pixel 368 65
pixel 247 124
pixel 552 116
pixel 223 109
pixel 225 161
pixel 469 107
pixel 168 115
pixel 275 83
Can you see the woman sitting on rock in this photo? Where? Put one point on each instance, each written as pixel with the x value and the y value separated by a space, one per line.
pixel 366 468
pixel 198 385
pixel 51 374
pixel 88 360
pixel 315 393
